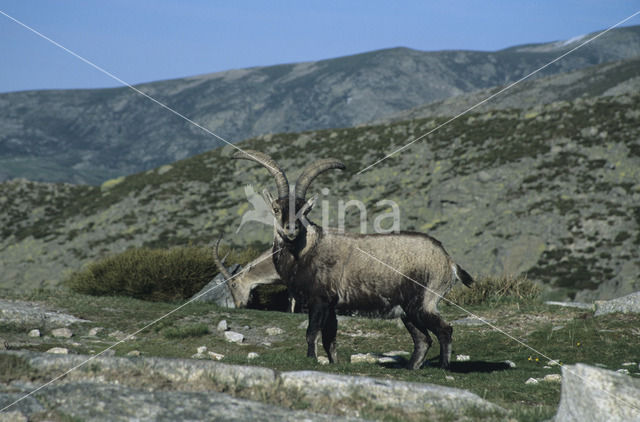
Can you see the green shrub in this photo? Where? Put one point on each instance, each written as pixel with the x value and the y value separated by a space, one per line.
pixel 153 274
pixel 195 330
pixel 492 289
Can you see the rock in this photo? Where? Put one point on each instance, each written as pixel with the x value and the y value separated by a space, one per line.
pixel 553 363
pixel 3 344
pixel 405 398
pixel 579 305
pixel 531 381
pixel 463 358
pixel 364 358
pixel 94 331
pixel 217 291
pixel 322 360
pixel 202 349
pixel 62 333
pixel 233 337
pixel 33 314
pixel 34 333
pixel 304 324
pixel 252 355
pixel 82 401
pixel 623 371
pixel 510 363
pixel 121 336
pixel 199 356
pixel 449 378
pixel 594 394
pixel 58 350
pixel 215 356
pixel 628 364
pixel 484 177
pixel 222 325
pixel 274 331
pixel 134 353
pixel 552 378
pixel 625 304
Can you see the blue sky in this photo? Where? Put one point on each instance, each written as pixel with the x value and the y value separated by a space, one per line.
pixel 145 40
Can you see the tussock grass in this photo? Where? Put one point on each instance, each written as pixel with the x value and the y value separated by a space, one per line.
pixel 487 290
pixel 194 330
pixel 153 274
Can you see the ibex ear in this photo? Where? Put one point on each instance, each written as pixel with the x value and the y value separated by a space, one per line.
pixel 267 197
pixel 308 206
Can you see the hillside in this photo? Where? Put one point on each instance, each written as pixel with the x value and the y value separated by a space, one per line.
pixel 553 192
pixel 88 136
pixel 621 77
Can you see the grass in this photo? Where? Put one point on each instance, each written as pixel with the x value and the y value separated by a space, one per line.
pixel 567 335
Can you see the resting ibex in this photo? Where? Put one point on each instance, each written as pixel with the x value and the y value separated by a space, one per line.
pixel 329 269
pixel 257 272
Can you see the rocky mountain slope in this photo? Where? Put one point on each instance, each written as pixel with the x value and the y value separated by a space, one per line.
pixel 87 136
pixel 607 79
pixel 551 191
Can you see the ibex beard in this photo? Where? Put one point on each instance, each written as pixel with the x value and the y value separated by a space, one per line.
pixel 329 270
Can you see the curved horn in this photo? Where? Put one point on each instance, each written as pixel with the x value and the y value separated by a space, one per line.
pixel 216 259
pixel 281 180
pixel 312 171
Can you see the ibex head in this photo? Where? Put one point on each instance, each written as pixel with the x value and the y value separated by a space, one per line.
pixel 290 208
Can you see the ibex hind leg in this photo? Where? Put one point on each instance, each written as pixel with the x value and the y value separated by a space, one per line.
pixel 421 343
pixel 443 332
pixel 329 332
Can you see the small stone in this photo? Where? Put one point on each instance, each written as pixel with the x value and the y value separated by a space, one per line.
pixel 198 356
pixel 304 325
pixel 215 356
pixel 202 349
pixel 449 378
pixel 628 364
pixel 121 336
pixel 323 360
pixel 396 353
pixel 266 343
pixel 222 325
pixel 233 337
pixel 510 363
pixel 252 355
pixel 58 350
pixel 94 331
pixel 108 353
pixel 552 378
pixel 3 344
pixel 134 353
pixel 274 331
pixel 463 358
pixel 546 367
pixel 62 333
pixel 531 381
pixel 364 358
pixel 623 371
pixel 34 333
pixel 553 363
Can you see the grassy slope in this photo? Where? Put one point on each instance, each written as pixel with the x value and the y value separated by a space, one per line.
pixel 565 335
pixel 551 191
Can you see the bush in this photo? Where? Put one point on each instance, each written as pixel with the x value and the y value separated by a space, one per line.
pixel 153 274
pixel 492 289
pixel 196 330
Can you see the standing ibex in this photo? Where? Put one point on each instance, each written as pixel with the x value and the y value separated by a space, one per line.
pixel 329 269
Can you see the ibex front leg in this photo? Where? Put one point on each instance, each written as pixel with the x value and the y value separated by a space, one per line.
pixel 329 332
pixel 318 313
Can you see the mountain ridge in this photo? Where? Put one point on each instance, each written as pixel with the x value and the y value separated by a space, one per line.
pixel 87 136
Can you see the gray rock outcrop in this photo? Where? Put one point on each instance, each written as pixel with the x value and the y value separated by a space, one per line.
pixel 595 394
pixel 625 304
pixel 32 314
pixel 125 388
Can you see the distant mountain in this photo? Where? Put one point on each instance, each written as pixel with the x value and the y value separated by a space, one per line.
pixel 609 79
pixel 87 136
pixel 553 192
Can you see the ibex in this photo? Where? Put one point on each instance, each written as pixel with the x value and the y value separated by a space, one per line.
pixel 332 270
pixel 257 272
